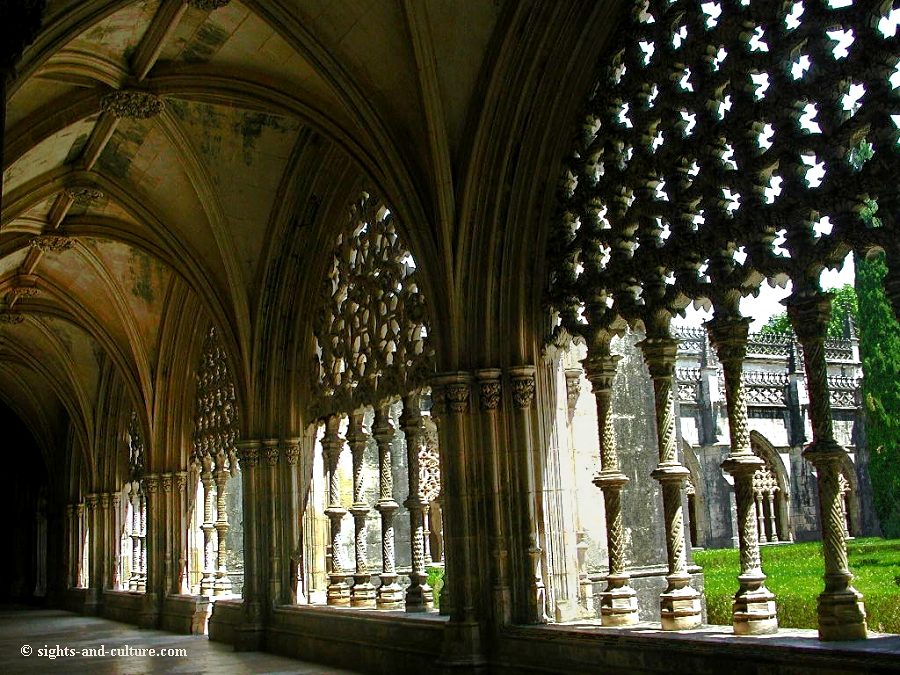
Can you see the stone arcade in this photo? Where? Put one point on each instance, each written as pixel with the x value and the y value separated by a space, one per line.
pixel 306 306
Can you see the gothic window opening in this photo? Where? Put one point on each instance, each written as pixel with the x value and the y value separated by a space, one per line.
pixel 373 525
pixel 726 144
pixel 216 559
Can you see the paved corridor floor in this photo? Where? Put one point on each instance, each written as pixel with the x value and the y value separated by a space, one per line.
pixel 28 637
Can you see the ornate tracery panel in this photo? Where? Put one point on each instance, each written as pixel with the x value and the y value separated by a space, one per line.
pixel 216 428
pixel 372 348
pixel 371 330
pixel 726 143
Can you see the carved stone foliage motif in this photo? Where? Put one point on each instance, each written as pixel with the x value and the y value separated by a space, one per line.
pixel 208 5
pixel 430 466
pixel 216 424
pixel 372 328
pixel 11 317
pixel 52 243
pixel 726 143
pixel 84 196
pixel 132 104
pixel 136 463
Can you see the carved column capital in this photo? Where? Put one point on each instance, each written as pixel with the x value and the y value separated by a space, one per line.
pixel 573 388
pixel 489 388
pixel 151 483
pixel 92 500
pixel 522 385
pixel 290 448
pixel 659 354
pixel 105 501
pixel 600 370
pixel 456 388
pixel 181 480
pixel 729 337
pixel 809 316
pixel 270 451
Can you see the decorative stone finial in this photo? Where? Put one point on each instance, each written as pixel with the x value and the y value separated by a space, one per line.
pixel 132 104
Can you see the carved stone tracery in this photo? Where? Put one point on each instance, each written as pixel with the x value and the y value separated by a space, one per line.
pixel 372 328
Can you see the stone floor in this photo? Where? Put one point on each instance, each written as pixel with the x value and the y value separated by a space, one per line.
pixel 43 631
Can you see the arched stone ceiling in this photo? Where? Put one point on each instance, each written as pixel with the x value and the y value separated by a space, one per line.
pixel 194 192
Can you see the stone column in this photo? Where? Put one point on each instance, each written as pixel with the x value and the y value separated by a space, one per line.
pixel 390 593
pixel 679 603
pixel 760 518
pixel 363 592
pixel 273 500
pixel 419 596
pixel 180 520
pixel 753 608
pixel 150 548
pixel 222 584
pixel 109 548
pixel 71 529
pixel 135 498
pixel 290 450
pixel 489 394
pixel 165 517
pixel 249 634
pixel 842 615
pixel 208 527
pixel 332 444
pixel 79 546
pixel 618 603
pixel 95 553
pixel 773 528
pixel 142 538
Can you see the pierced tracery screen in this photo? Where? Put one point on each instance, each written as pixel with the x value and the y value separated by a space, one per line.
pixel 372 328
pixel 216 418
pixel 726 142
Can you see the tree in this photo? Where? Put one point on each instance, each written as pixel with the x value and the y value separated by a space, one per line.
pixel 845 302
pixel 879 341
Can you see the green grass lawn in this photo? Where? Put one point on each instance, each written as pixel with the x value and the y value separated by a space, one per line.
pixel 794 574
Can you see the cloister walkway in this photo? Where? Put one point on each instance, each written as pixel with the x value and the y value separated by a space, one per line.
pixel 123 649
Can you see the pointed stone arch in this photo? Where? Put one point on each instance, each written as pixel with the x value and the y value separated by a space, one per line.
pixel 773 479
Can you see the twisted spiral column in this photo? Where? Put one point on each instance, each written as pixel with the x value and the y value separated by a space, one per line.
pixel 419 596
pixel 841 612
pixel 338 592
pixel 753 609
pixel 618 603
pixel 679 603
pixel 363 592
pixel 390 593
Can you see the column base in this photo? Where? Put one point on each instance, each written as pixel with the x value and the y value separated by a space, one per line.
pixel 389 595
pixel 222 585
pixel 419 598
pixel 149 617
pixel 207 584
pixel 754 612
pixel 363 592
pixel 338 595
pixel 842 616
pixel 618 607
pixel 680 609
pixel 461 649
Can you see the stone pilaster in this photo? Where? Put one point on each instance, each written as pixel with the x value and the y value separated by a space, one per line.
pixel 332 445
pixel 95 554
pixel 270 453
pixel 71 548
pixel 181 517
pixel 489 396
pixel 150 559
pixel 842 615
pixel 110 545
pixel 753 608
pixel 390 593
pixel 618 602
pixel 290 451
pixel 679 603
pixel 250 633
pixel 419 596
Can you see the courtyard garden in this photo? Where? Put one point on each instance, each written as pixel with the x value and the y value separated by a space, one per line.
pixel 795 577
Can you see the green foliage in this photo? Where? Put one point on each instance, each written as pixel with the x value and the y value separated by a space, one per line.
pixel 436 581
pixel 879 341
pixel 844 303
pixel 795 577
